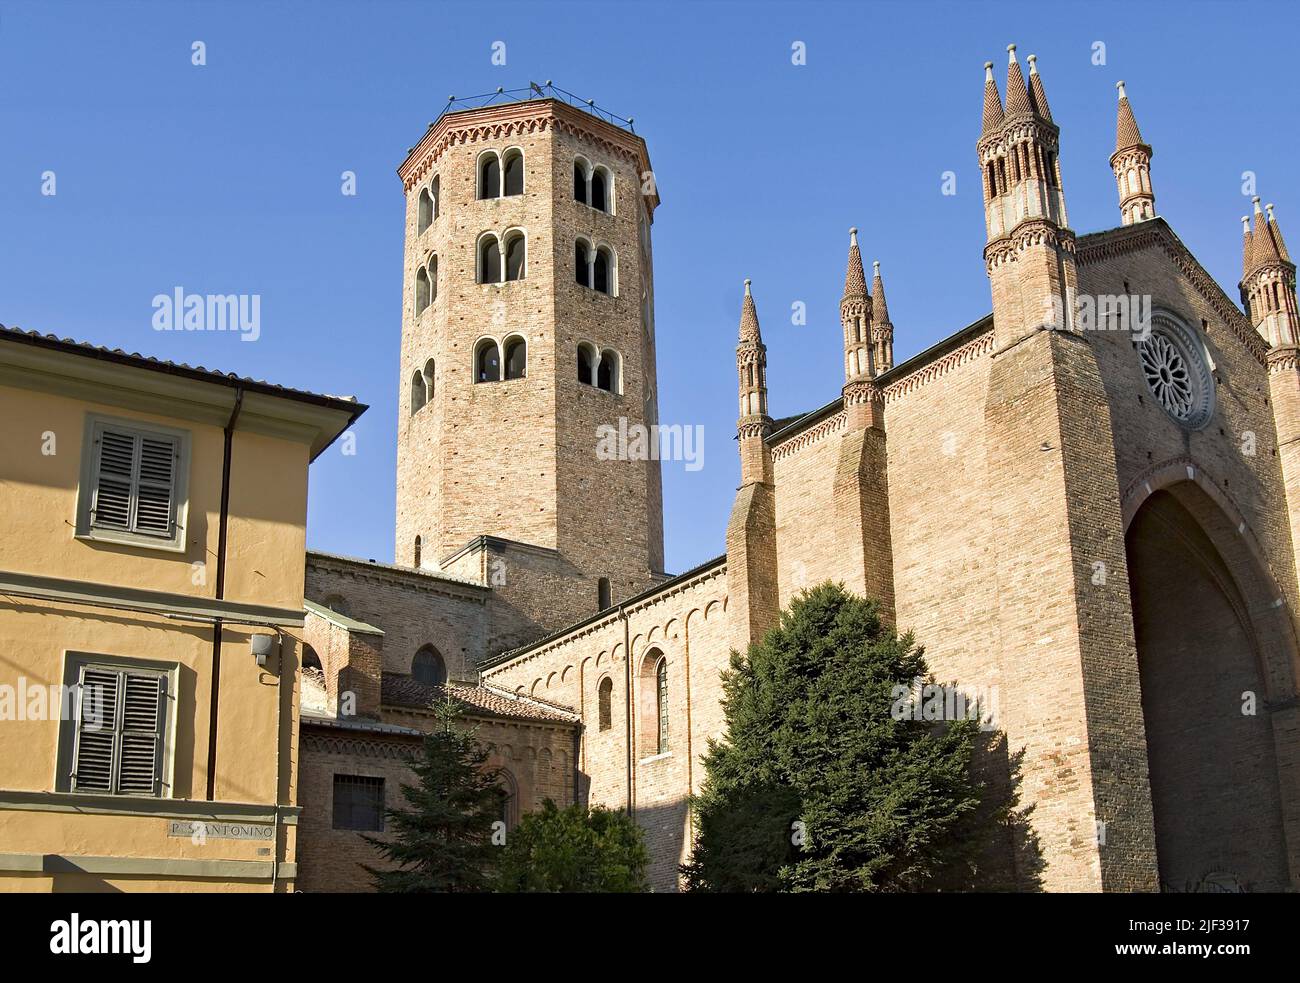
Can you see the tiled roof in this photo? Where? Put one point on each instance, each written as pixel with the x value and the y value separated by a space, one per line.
pixel 1037 94
pixel 401 690
pixel 879 309
pixel 992 102
pixel 198 373
pixel 1017 91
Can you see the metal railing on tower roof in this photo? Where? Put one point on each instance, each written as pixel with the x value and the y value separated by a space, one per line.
pixel 535 90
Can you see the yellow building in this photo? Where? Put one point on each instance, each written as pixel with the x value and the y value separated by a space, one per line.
pixel 152 543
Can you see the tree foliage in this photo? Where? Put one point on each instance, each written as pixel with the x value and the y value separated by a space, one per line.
pixel 820 786
pixel 574 849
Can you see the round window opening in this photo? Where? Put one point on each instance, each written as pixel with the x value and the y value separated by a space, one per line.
pixel 1173 363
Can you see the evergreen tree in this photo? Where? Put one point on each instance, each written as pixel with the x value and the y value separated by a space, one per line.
pixel 574 849
pixel 819 785
pixel 442 841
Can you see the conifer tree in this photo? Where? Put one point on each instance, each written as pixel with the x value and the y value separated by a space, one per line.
pixel 442 840
pixel 821 784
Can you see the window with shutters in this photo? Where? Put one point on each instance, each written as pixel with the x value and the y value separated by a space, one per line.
pixel 133 484
pixel 116 742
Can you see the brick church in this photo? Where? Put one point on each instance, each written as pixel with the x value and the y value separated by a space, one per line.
pixel 1091 512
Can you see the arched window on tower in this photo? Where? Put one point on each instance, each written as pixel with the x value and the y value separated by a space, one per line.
pixel 435 192
pixel 421 290
pixel 602 277
pixel 489 263
pixel 586 364
pixel 431 272
pixel 417 392
pixel 514 175
pixel 428 667
pixel 516 358
pixel 607 374
pixel 605 703
pixel 599 189
pixel 429 373
pixel 582 263
pixel 416 562
pixel 489 176
pixel 604 596
pixel 487 362
pixel 516 254
pixel 579 182
pixel 425 218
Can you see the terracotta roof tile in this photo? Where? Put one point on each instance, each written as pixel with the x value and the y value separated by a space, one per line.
pixel 401 690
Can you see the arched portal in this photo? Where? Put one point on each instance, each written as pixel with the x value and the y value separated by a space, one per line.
pixel 1210 640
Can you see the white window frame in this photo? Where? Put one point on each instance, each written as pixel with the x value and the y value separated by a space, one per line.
pixel 74 666
pixel 85 528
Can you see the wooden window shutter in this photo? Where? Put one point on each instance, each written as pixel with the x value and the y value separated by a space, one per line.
pixel 135 482
pixel 120 719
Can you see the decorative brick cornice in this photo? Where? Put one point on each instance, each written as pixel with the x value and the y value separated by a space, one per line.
pixel 812 435
pixel 520 119
pixel 1282 359
pixel 863 392
pixel 1155 233
pixel 359 746
pixel 754 426
pixel 977 347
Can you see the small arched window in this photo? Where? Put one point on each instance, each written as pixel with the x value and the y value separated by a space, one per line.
pixel 417 392
pixel 599 186
pixel 607 372
pixel 487 362
pixel 579 182
pixel 337 604
pixel 509 798
pixel 435 192
pixel 602 278
pixel 582 263
pixel 489 176
pixel 431 272
pixel 661 702
pixel 425 217
pixel 605 703
pixel 428 667
pixel 416 564
pixel 310 660
pixel 586 365
pixel 514 176
pixel 516 358
pixel 489 264
pixel 516 254
pixel 604 596
pixel 421 290
pixel 429 375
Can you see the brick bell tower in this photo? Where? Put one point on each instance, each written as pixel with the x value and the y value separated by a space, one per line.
pixel 528 325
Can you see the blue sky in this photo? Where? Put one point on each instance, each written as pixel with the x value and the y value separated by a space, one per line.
pixel 225 178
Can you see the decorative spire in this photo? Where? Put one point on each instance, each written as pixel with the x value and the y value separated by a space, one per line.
pixel 1017 92
pixel 1246 246
pixel 1276 231
pixel 855 281
pixel 1131 163
pixel 882 331
pixel 1037 94
pixel 1126 129
pixel 749 330
pixel 992 102
pixel 879 310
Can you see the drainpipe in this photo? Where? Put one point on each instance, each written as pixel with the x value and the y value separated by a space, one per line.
pixel 222 528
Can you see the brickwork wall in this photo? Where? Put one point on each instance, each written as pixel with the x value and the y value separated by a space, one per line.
pixel 686 625
pixel 537 757
pixel 413 610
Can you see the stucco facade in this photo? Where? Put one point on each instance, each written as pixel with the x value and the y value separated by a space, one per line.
pixel 183 788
